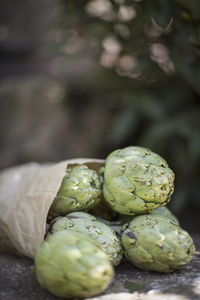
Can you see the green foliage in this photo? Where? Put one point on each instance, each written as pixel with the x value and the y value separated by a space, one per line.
pixel 146 69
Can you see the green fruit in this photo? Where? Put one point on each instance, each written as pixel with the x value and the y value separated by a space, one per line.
pixel 102 209
pixel 80 190
pixel 122 221
pixel 72 264
pixel 165 212
pixel 115 225
pixel 157 243
pixel 88 224
pixel 137 181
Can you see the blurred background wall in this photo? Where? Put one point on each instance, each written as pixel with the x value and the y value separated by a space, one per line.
pixel 82 78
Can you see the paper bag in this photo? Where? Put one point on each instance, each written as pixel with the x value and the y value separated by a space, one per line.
pixel 26 194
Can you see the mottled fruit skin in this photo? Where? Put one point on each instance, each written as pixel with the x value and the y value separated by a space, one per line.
pixel 71 264
pixel 137 181
pixel 102 209
pixel 115 225
pixel 79 190
pixel 125 219
pixel 157 243
pixel 165 212
pixel 88 224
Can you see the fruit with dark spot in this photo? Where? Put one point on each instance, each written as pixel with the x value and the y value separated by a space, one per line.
pixel 156 243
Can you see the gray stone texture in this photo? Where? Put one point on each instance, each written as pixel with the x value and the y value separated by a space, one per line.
pixel 18 281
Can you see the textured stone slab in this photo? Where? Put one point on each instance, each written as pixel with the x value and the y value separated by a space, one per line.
pixel 17 281
pixel 152 295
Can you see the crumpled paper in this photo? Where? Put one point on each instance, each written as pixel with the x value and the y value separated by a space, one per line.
pixel 26 194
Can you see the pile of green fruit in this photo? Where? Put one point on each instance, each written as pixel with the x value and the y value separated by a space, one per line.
pixel 97 217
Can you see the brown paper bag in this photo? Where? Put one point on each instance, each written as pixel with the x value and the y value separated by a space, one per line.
pixel 26 194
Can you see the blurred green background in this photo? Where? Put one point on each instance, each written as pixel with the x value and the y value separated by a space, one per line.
pixel 82 78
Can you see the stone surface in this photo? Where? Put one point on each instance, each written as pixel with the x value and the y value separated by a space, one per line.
pixel 152 295
pixel 17 281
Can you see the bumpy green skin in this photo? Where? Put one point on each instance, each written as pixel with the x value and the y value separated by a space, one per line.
pixel 72 264
pixel 102 209
pixel 136 181
pixel 80 190
pixel 88 224
pixel 115 225
pixel 157 243
pixel 165 212
pixel 101 174
pixel 118 224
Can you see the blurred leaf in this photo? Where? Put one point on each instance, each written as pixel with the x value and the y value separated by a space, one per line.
pixel 192 5
pixel 161 11
pixel 156 102
pixel 197 36
pixel 125 124
pixel 190 73
pixel 149 106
